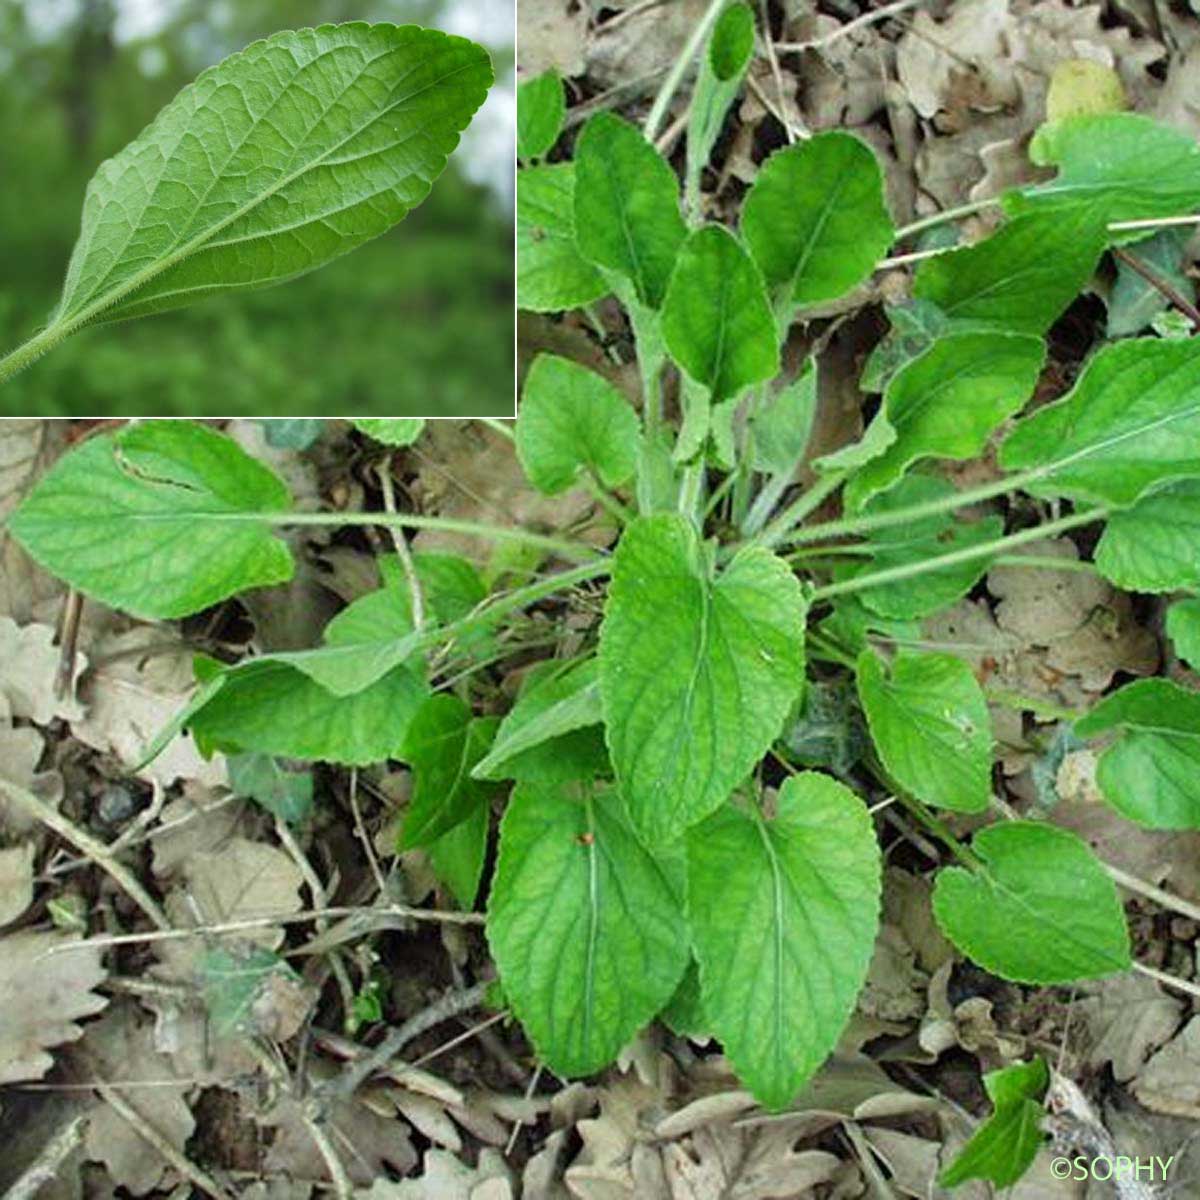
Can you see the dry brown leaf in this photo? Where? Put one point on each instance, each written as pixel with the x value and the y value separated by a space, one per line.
pixel 141 683
pixel 42 996
pixel 28 665
pixel 445 1177
pixel 16 881
pixel 20 751
pixel 551 33
pixel 908 904
pixel 1170 1082
pixel 201 820
pixel 1127 1017
pixel 120 1048
pixel 648 42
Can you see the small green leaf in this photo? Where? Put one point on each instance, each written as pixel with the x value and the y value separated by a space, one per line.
pixel 552 734
pixel 697 673
pixel 1005 1145
pixel 442 744
pixel 684 1013
pixel 157 520
pixel 1114 166
pixel 947 402
pixel 1134 301
pixel 392 431
pixel 286 434
pixel 627 214
pixel 930 724
pixel 233 983
pixel 285 794
pixel 278 159
pixel 919 540
pixel 718 82
pixel 583 925
pixel 1183 628
pixel 571 420
pixel 783 424
pixel 541 108
pixel 1151 774
pixel 879 435
pixel 457 856
pixel 783 915
pixel 1155 545
pixel 717 322
pixel 851 621
pixel 552 275
pixel 1040 909
pixel 1130 422
pixel 1019 279
pixel 816 220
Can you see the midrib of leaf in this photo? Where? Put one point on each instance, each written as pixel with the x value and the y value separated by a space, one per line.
pixel 722 328
pixel 202 240
pixel 818 229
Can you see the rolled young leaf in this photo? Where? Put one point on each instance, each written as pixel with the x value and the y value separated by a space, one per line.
pixel 275 161
pixel 783 916
pixel 815 220
pixel 716 319
pixel 157 520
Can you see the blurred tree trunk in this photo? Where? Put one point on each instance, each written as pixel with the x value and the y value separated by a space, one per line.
pixel 90 53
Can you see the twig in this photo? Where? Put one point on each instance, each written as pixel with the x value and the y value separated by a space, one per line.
pixel 1171 981
pixel 449 1005
pixel 229 927
pixel 360 831
pixel 662 102
pixel 149 1134
pixel 89 846
pixel 1133 884
pixel 519 1123
pixel 49 1162
pixel 1159 284
pixel 396 533
pixel 68 637
pixel 867 18
pixel 776 70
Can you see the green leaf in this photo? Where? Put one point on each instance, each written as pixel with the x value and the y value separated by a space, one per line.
pixel 457 857
pixel 1040 909
pixel 234 982
pixel 783 424
pixel 541 109
pixel 1005 1145
pixel 1183 628
pixel 157 520
pixel 930 724
pixel 571 420
pixel 718 82
pixel 917 541
pixel 816 220
pixel 684 1013
pixel 274 708
pixel 442 744
pixel 1114 166
pixel 552 734
pixel 947 403
pixel 1130 422
pixel 552 275
pixel 851 621
pixel 1134 302
pixel 391 431
pixel 287 434
pixel 285 794
pixel 1151 774
pixel 783 915
pixel 878 436
pixel 915 325
pixel 273 162
pixel 627 214
pixel 1019 279
pixel 697 673
pixel 583 925
pixel 1155 545
pixel 717 322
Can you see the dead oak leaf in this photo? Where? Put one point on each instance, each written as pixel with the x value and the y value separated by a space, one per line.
pixel 1127 1017
pixel 42 997
pixel 1170 1081
pixel 28 666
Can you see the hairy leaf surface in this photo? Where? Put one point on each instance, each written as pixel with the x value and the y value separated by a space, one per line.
pixel 571 420
pixel 158 520
pixel 696 673
pixel 783 915
pixel 947 402
pixel 930 724
pixel 282 157
pixel 716 320
pixel 1040 911
pixel 816 220
pixel 552 274
pixel 583 925
pixel 1151 774
pixel 627 214
pixel 1130 422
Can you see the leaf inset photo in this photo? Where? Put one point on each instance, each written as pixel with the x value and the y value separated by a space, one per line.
pixel 278 159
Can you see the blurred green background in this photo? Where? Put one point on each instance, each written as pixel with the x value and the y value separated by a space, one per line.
pixel 416 323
